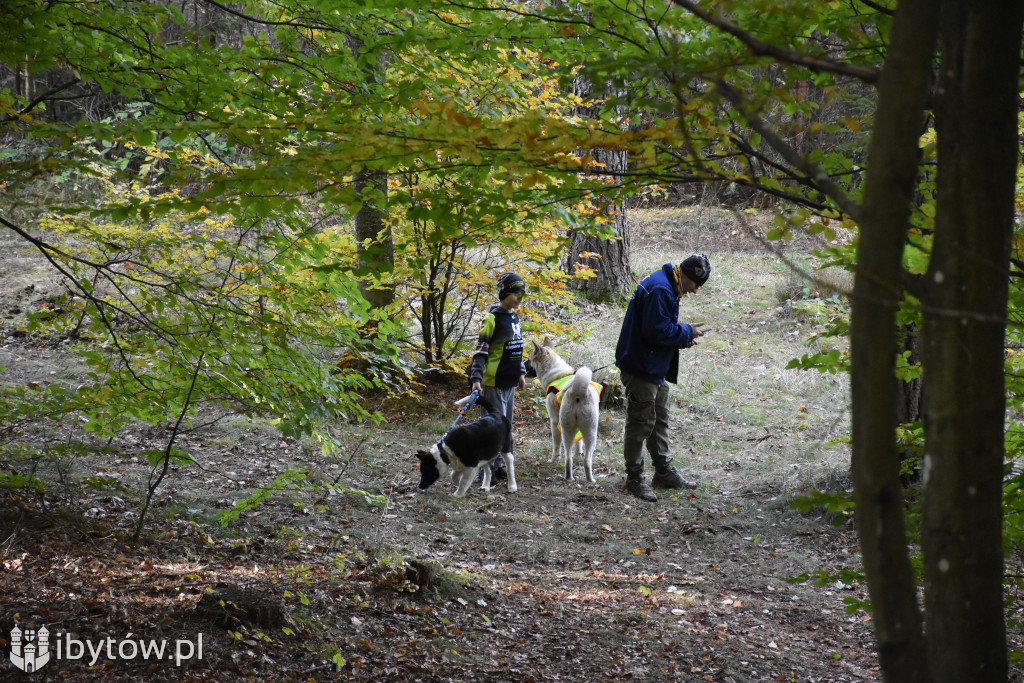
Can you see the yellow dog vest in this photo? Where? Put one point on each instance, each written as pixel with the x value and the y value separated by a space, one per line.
pixel 556 388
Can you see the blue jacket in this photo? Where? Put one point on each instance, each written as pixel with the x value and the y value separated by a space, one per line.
pixel 651 335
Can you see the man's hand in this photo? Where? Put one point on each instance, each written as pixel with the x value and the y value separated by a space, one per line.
pixel 697 332
pixel 477 388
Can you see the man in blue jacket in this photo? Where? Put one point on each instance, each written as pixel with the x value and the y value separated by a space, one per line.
pixel 647 356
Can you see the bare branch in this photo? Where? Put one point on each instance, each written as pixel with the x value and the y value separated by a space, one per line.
pixel 798 161
pixel 46 95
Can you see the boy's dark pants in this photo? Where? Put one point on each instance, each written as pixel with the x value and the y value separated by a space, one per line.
pixel 505 401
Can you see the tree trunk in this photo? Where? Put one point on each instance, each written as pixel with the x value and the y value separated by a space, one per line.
pixel 908 407
pixel 963 339
pixel 374 242
pixel 893 158
pixel 608 258
pixel 376 251
pixel 908 403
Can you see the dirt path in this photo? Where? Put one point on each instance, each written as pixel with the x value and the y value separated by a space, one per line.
pixel 583 582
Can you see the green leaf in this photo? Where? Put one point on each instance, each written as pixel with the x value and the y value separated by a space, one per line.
pixel 831 362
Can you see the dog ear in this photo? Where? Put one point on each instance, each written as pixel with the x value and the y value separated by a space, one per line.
pixel 428 470
pixel 548 342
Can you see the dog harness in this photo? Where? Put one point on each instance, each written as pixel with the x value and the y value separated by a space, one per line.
pixel 557 386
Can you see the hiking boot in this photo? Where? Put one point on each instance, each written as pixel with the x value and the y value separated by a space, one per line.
pixel 671 479
pixel 638 487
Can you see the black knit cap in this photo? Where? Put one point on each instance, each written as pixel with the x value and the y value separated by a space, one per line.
pixel 697 268
pixel 508 283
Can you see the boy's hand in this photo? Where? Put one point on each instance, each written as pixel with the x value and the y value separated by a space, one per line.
pixel 522 382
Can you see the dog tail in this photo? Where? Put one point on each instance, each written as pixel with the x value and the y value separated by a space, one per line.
pixel 580 382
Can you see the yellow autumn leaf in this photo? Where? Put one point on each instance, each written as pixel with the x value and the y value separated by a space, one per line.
pixel 851 123
pixel 533 180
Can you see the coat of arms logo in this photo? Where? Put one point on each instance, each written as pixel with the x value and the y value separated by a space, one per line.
pixel 30 649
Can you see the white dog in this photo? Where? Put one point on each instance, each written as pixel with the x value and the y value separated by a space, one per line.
pixel 572 401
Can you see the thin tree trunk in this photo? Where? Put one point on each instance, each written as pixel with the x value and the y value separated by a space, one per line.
pixel 908 408
pixel 908 403
pixel 893 159
pixel 963 339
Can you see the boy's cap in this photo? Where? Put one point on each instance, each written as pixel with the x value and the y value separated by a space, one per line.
pixel 697 268
pixel 508 283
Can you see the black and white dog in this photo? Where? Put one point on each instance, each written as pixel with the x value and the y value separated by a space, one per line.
pixel 464 450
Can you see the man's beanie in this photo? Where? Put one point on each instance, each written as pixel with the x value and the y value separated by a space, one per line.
pixel 508 283
pixel 697 268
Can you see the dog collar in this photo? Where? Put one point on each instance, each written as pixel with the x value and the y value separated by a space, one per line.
pixel 441 449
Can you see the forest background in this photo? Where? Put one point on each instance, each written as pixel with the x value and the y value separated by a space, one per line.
pixel 295 213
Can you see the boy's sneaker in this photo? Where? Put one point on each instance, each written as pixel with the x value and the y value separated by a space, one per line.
pixel 671 479
pixel 639 488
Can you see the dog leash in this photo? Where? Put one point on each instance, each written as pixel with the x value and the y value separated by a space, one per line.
pixel 461 413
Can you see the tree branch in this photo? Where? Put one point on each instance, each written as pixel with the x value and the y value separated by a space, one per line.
pixel 878 8
pixel 46 95
pixel 791 156
pixel 763 49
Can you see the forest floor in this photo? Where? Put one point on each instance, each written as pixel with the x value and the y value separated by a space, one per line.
pixel 365 578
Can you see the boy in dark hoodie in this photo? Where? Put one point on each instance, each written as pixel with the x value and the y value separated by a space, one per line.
pixel 498 367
